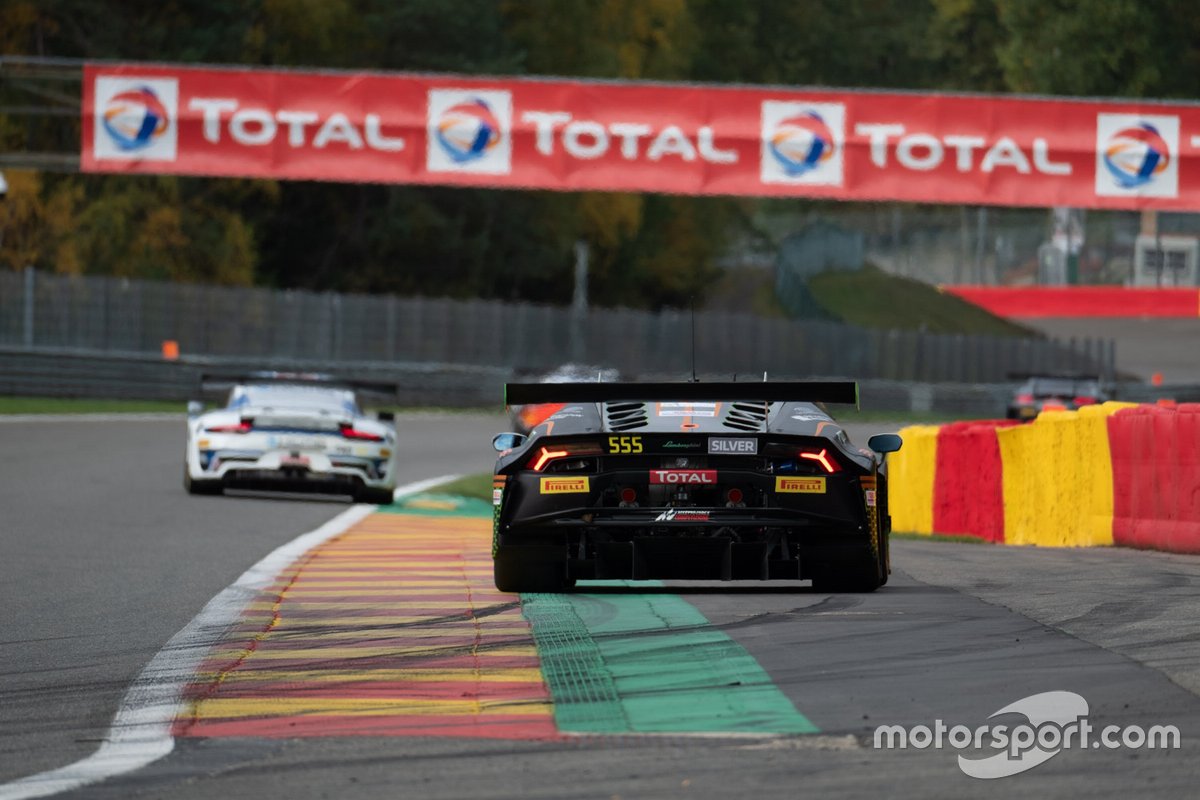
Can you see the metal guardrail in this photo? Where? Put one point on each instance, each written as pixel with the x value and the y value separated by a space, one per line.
pixel 39 310
pixel 53 372
pixel 58 372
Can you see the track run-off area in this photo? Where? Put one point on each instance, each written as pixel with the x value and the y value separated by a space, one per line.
pixel 353 652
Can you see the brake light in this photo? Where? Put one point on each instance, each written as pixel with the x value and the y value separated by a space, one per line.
pixel 1084 400
pixel 547 454
pixel 242 427
pixel 349 432
pixel 734 496
pixel 1025 399
pixel 823 458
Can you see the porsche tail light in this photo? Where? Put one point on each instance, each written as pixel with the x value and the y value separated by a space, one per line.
pixel 822 457
pixel 242 427
pixel 348 432
pixel 1025 399
pixel 1084 400
pixel 549 453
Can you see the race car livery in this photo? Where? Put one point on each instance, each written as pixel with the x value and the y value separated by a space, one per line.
pixel 679 481
pixel 291 433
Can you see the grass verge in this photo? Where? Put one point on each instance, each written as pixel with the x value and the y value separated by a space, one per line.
pixel 478 486
pixel 873 298
pixel 84 405
pixel 921 537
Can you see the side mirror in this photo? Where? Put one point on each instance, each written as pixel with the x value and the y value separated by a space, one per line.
pixel 507 441
pixel 885 442
pixel 195 408
pixel 386 416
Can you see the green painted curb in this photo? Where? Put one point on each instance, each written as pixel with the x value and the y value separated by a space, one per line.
pixel 439 505
pixel 650 663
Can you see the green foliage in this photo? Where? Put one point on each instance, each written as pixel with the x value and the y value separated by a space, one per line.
pixel 647 251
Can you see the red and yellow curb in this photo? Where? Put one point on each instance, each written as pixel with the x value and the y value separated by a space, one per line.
pixel 393 628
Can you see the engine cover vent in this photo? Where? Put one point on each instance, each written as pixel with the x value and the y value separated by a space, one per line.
pixel 625 416
pixel 750 417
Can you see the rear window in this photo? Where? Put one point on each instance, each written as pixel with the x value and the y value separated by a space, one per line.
pixel 1053 387
pixel 1061 387
pixel 294 396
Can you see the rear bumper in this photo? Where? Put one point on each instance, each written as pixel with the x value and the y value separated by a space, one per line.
pixel 716 559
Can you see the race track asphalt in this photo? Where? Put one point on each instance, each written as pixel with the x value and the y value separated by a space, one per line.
pixel 103 558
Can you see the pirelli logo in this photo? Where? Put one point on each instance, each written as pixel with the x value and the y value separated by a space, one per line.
pixel 565 485
pixel 799 485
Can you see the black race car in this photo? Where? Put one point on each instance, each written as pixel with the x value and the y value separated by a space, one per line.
pixel 1069 392
pixel 679 481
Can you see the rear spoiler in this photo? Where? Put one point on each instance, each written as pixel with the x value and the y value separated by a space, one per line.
pixel 212 381
pixel 1065 376
pixel 517 394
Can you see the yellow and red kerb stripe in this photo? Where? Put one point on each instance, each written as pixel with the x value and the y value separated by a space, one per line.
pixel 393 628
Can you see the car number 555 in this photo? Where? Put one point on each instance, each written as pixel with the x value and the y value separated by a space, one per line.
pixel 624 444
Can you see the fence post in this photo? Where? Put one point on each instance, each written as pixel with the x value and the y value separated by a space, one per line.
pixel 28 337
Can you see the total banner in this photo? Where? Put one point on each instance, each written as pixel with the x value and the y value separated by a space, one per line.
pixel 642 137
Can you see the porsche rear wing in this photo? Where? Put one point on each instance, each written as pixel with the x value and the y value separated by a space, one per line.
pixel 517 394
pixel 215 382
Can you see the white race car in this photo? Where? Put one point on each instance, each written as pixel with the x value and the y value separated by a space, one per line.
pixel 292 433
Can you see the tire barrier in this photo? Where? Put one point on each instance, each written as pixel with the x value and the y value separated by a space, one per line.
pixel 968 497
pixel 1057 477
pixel 1156 477
pixel 1116 473
pixel 912 469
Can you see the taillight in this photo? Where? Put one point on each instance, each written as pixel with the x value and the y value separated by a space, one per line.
pixel 549 453
pixel 1025 399
pixel 1084 400
pixel 242 427
pixel 827 462
pixel 349 432
pixel 735 496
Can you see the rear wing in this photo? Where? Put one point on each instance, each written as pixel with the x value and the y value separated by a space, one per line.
pixel 517 394
pixel 217 382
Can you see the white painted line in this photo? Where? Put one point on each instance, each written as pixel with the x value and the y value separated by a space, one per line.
pixel 420 486
pixel 141 731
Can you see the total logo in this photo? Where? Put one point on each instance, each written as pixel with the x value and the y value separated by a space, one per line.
pixel 134 118
pixel 802 143
pixel 469 131
pixel 1135 155
pixel 671 477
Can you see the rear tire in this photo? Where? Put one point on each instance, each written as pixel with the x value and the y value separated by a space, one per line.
pixel 370 494
pixel 860 578
pixel 201 485
pixel 514 573
pixel 863 574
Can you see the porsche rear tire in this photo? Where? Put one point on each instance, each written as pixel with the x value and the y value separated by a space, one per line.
pixel 515 573
pixel 201 485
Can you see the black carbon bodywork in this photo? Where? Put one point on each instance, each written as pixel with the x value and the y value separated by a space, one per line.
pixel 715 490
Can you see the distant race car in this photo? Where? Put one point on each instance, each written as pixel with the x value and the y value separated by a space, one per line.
pixel 716 481
pixel 526 417
pixel 1069 392
pixel 290 432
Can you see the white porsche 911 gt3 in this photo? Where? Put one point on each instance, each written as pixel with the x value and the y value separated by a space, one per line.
pixel 289 432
